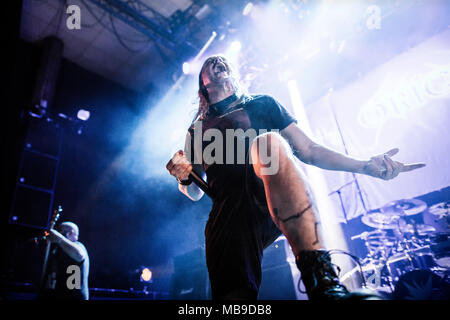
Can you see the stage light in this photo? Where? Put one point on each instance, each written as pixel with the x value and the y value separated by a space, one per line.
pixel 83 114
pixel 248 8
pixel 203 12
pixel 146 275
pixel 186 67
pixel 332 44
pixel 341 47
pixel 235 46
pixel 233 51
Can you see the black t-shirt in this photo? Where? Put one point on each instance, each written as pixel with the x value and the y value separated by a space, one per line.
pixel 61 270
pixel 260 113
pixel 239 226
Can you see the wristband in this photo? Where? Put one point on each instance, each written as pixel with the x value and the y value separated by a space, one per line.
pixel 186 182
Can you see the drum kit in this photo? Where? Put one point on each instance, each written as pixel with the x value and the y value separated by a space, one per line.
pixel 408 250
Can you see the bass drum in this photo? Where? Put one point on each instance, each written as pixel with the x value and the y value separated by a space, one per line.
pixel 420 258
pixel 440 245
pixel 422 285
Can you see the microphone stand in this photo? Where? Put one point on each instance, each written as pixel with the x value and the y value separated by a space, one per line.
pixel 338 191
pixel 346 152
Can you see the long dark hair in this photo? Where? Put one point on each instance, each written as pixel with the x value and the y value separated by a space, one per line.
pixel 203 92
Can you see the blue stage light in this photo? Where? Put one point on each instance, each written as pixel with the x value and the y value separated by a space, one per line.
pixel 186 68
pixel 83 114
pixel 146 275
pixel 235 46
pixel 248 8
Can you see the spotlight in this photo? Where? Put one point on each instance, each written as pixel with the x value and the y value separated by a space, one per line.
pixel 203 12
pixel 332 44
pixel 83 114
pixel 146 275
pixel 235 46
pixel 186 68
pixel 341 47
pixel 64 116
pixel 39 110
pixel 248 8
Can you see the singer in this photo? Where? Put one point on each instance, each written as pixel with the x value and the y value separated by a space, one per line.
pixel 252 205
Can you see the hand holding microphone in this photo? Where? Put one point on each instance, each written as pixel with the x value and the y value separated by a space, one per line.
pixel 181 168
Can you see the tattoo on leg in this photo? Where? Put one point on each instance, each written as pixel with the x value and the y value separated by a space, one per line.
pixel 295 216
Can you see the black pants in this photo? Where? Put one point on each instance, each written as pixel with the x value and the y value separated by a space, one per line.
pixel 239 228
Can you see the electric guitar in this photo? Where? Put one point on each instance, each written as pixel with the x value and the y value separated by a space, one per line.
pixel 55 217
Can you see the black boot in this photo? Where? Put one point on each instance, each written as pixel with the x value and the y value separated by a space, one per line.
pixel 321 281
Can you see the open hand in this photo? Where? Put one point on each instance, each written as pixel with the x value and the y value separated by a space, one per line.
pixel 383 167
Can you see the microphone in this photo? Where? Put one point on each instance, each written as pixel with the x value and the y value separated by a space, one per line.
pixel 197 179
pixel 200 183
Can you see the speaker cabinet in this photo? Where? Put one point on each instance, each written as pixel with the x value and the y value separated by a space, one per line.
pixel 277 282
pixel 190 279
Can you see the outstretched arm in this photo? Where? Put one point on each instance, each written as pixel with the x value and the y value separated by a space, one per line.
pixel 380 166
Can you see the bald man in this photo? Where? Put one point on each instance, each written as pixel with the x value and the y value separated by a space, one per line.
pixel 66 277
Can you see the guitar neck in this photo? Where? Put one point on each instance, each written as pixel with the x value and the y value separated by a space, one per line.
pixel 55 218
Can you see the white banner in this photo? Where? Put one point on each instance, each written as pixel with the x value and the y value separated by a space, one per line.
pixel 403 103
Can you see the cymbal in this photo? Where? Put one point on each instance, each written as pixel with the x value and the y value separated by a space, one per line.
pixel 405 207
pixel 440 210
pixel 438 216
pixel 380 220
